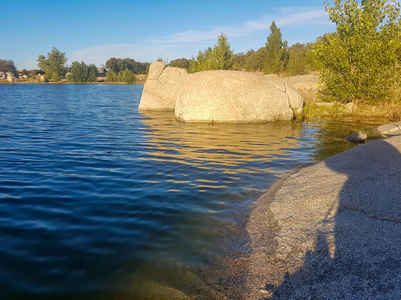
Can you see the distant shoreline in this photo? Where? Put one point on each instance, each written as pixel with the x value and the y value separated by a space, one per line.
pixel 69 82
pixel 140 79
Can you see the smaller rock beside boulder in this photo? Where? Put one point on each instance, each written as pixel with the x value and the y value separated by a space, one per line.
pixel 160 90
pixel 357 137
pixel 388 129
pixel 11 77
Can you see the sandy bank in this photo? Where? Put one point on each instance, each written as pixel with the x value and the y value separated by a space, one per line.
pixel 331 230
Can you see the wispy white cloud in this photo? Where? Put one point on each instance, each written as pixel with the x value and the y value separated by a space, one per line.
pixel 187 42
pixel 285 17
pixel 316 17
pixel 100 54
pixel 237 30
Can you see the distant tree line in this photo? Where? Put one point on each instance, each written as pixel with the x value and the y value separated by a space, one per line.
pixel 275 57
pixel 120 64
pixel 53 67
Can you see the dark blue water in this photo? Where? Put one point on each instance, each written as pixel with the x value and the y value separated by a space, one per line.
pixel 97 199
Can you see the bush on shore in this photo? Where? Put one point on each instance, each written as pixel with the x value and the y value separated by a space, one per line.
pixel 361 60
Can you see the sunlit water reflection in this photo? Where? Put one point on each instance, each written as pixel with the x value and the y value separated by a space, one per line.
pixel 99 200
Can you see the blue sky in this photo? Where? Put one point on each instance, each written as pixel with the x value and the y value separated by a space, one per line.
pixel 94 31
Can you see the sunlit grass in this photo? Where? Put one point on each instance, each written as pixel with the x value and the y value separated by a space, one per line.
pixel 321 110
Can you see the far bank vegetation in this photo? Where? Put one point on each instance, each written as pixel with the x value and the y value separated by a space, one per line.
pixel 52 68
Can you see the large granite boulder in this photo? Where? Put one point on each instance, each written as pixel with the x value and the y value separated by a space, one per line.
pixel 160 90
pixel 219 95
pixel 234 96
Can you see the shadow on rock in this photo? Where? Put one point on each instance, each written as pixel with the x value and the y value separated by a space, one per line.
pixel 339 229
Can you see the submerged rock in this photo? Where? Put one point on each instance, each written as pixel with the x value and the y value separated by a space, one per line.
pixel 357 137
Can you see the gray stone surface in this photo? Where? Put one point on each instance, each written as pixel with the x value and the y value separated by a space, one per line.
pixel 357 137
pixel 331 230
pixel 160 91
pixel 388 129
pixel 219 96
pixel 304 82
pixel 234 96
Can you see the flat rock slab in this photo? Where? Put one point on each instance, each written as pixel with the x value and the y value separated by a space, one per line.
pixel 388 129
pixel 331 230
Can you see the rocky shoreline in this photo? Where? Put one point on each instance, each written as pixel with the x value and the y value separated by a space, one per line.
pixel 331 230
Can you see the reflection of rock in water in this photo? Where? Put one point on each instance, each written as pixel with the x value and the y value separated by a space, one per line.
pixel 226 152
pixel 229 148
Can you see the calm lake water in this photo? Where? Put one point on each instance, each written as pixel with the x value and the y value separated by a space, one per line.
pixel 99 200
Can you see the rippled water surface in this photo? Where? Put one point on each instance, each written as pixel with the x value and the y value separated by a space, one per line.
pixel 98 199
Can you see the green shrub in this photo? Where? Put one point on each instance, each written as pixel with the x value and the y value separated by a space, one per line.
pixel 79 72
pixel 127 76
pixel 218 58
pixel 361 60
pixel 111 76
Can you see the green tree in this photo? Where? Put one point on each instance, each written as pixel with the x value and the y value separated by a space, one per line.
pixel 180 63
pixel 53 64
pixel 111 76
pixel 79 72
pixel 297 62
pixel 223 53
pixel 218 58
pixel 361 60
pixel 256 61
pixel 120 64
pixel 7 66
pixel 92 73
pixel 113 64
pixel 239 60
pixel 33 73
pixel 127 76
pixel 276 51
